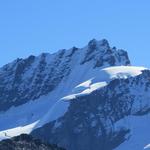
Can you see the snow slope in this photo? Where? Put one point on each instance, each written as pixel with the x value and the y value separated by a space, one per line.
pixel 81 81
pixel 139 137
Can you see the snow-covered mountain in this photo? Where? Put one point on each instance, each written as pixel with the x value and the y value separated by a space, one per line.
pixel 87 98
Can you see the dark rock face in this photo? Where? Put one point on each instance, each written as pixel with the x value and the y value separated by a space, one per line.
pixel 28 79
pixel 104 55
pixel 90 120
pixel 26 142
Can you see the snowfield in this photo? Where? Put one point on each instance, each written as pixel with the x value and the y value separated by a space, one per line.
pixel 140 127
pixel 81 81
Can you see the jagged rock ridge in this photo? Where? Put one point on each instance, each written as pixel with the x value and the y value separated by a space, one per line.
pixel 28 79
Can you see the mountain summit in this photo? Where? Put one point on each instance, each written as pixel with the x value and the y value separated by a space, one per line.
pixel 28 79
pixel 87 98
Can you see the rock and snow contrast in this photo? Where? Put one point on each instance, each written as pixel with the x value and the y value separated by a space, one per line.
pixel 87 98
pixel 26 142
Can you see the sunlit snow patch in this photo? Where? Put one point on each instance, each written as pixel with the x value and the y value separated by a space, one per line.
pixel 147 146
pixel 17 131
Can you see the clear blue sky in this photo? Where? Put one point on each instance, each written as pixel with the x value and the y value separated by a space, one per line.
pixel 34 26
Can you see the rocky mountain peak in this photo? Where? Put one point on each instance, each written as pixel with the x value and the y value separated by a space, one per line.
pixel 28 79
pixel 93 44
pixel 103 55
